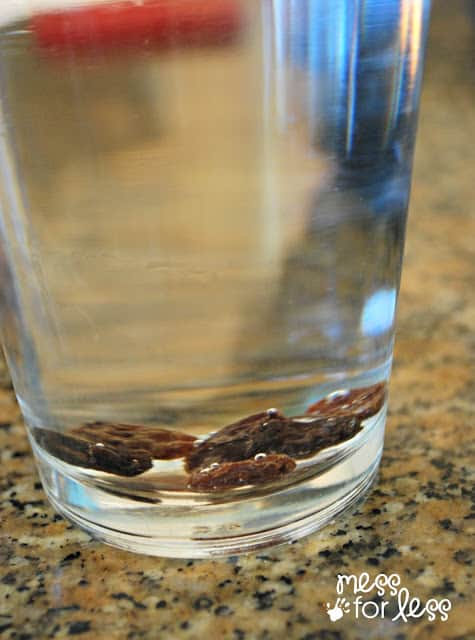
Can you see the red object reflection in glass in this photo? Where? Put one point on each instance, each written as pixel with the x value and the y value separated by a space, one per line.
pixel 161 23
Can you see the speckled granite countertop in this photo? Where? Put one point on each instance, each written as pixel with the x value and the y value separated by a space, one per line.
pixel 55 582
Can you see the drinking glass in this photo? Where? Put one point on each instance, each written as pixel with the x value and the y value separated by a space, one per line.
pixel 203 206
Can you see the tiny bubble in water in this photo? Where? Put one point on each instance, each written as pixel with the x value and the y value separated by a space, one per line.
pixel 338 394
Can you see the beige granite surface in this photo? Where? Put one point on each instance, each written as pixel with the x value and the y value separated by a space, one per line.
pixel 418 522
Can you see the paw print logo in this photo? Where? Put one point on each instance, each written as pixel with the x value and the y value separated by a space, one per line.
pixel 340 607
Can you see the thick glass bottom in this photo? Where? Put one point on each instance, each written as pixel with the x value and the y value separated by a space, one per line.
pixel 217 525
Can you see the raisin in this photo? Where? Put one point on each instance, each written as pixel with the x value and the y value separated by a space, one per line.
pixel 81 453
pixel 162 444
pixel 361 403
pixel 122 449
pixel 229 475
pixel 272 433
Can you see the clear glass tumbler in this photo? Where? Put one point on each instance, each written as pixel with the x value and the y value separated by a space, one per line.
pixel 203 206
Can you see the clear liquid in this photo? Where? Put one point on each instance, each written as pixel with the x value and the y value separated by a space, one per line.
pixel 196 233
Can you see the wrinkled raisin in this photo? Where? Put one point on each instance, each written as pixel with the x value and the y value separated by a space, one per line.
pixel 298 437
pixel 229 475
pixel 122 449
pixel 81 453
pixel 361 403
pixel 162 444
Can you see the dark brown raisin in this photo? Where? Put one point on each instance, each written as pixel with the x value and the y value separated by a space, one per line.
pixel 298 437
pixel 162 444
pixel 82 453
pixel 361 403
pixel 229 475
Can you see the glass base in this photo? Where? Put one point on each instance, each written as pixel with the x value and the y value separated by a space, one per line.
pixel 192 548
pixel 214 526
